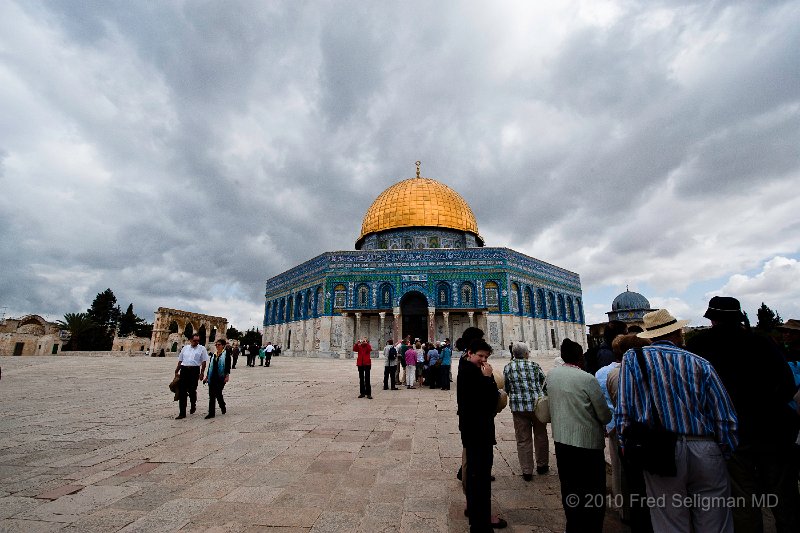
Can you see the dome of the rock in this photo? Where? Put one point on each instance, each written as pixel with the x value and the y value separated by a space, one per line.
pixel 418 203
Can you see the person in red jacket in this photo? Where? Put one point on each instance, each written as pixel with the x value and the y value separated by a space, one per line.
pixel 364 364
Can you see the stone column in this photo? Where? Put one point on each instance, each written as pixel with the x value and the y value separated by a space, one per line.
pixel 446 316
pixel 357 332
pixel 431 324
pixel 344 349
pixel 471 315
pixel 381 340
pixel 397 326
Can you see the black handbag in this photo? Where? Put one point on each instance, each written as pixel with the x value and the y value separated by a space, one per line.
pixel 650 447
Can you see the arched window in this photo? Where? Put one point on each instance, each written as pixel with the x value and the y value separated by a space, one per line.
pixel 363 296
pixel 289 308
pixel 339 296
pixel 562 309
pixel 386 295
pixel 491 294
pixel 540 304
pixel 467 295
pixel 298 307
pixel 552 311
pixel 443 294
pixel 579 309
pixel 282 312
pixel 514 297
pixel 570 309
pixel 526 301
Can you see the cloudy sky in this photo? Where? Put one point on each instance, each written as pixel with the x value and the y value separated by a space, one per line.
pixel 181 153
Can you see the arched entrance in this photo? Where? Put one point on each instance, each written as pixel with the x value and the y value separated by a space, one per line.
pixel 414 310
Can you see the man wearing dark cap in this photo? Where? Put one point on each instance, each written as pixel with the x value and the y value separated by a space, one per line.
pixel 761 385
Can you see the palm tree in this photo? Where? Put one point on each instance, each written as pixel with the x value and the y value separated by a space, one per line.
pixel 77 324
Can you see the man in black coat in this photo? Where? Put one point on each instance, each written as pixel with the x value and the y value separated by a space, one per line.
pixel 760 385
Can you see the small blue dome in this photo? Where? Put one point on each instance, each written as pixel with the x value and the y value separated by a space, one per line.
pixel 629 300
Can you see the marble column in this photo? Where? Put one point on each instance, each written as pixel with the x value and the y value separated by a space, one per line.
pixel 431 324
pixel 381 340
pixel 397 326
pixel 357 332
pixel 446 317
pixel 471 315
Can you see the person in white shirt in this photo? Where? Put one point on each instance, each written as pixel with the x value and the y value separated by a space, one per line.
pixel 268 353
pixel 191 365
pixel 389 365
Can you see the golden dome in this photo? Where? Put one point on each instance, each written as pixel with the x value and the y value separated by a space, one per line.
pixel 418 202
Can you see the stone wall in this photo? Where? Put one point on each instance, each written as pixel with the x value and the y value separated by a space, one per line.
pixel 106 354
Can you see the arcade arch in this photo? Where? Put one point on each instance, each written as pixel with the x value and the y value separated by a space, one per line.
pixel 168 322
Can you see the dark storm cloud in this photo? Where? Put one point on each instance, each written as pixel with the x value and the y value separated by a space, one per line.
pixel 181 153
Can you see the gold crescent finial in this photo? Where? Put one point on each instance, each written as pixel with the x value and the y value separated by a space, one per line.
pixel 418 163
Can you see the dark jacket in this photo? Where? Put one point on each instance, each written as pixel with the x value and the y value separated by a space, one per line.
pixel 476 395
pixel 758 380
pixel 605 356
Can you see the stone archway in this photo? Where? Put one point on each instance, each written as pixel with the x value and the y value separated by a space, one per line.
pixel 165 318
pixel 414 310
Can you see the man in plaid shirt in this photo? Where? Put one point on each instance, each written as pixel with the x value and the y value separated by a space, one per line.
pixel 525 386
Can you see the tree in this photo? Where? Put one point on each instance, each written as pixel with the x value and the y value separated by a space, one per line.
pixel 768 319
pixel 233 333
pixel 106 314
pixel 251 336
pixel 128 322
pixel 145 329
pixel 78 324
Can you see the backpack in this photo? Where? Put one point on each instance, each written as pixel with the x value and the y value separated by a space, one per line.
pixel 392 353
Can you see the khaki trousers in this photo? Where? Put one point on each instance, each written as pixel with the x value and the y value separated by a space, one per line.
pixel 525 423
pixel 703 478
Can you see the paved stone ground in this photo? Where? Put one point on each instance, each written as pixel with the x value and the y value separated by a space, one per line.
pixel 90 444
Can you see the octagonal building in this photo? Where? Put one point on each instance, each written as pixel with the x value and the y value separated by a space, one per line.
pixel 420 268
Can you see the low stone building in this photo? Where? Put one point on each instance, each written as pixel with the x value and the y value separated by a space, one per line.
pixel 31 335
pixel 130 344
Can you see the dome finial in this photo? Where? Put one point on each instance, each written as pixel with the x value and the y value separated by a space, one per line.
pixel 418 163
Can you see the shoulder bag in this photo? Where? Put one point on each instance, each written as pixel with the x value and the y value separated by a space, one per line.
pixel 650 447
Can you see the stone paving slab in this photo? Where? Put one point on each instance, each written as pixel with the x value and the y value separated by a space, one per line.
pixel 99 450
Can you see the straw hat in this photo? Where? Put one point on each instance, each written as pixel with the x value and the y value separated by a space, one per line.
pixel 659 323
pixel 791 324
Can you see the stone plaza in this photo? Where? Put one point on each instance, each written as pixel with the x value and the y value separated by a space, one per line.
pixel 91 444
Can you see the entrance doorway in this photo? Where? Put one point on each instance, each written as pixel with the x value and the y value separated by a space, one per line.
pixel 414 309
pixel 18 347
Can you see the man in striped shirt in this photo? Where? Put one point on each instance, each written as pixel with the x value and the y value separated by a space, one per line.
pixel 687 396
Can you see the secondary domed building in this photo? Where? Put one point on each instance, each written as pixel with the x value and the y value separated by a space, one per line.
pixel 420 268
pixel 629 307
